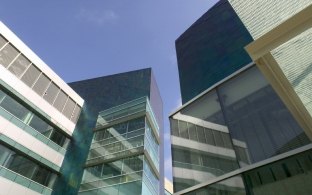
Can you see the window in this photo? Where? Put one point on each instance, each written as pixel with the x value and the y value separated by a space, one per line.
pixel 51 93
pixel 19 65
pixel 7 55
pixel 31 75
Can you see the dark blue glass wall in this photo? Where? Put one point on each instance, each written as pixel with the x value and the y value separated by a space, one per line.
pixel 211 49
pixel 99 94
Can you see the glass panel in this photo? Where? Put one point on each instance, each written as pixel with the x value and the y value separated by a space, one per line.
pixel 286 177
pixel 231 186
pixel 218 138
pixel 76 113
pixel 2 41
pixel 60 101
pixel 192 131
pixel 209 137
pixel 41 84
pixel 19 65
pixel 16 109
pixel 51 93
pixel 174 127
pixel 136 124
pixel 21 165
pixel 69 108
pixel 257 118
pixel 40 125
pixel 4 155
pixel 7 54
pixel 183 129
pixel 201 134
pixel 31 119
pixel 206 108
pixel 31 75
pixel 26 167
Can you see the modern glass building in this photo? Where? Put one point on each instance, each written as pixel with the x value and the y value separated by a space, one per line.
pixel 118 147
pixel 38 115
pixel 239 131
pixel 106 140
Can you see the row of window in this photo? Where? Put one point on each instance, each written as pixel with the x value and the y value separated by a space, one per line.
pixel 31 119
pixel 18 163
pixel 26 71
pixel 120 129
pixel 116 147
pixel 289 176
pixel 224 164
pixel 112 169
pixel 200 134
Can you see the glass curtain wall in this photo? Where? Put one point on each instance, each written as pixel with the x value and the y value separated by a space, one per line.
pixel 22 113
pixel 240 122
pixel 289 176
pixel 124 155
pixel 22 165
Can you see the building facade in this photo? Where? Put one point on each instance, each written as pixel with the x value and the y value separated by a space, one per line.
pixel 239 132
pixel 96 136
pixel 38 115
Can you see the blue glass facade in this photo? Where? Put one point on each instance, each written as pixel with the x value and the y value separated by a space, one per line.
pixel 101 94
pixel 239 123
pixel 211 49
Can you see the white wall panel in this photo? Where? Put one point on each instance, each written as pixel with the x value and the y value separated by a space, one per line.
pixel 20 136
pixel 8 187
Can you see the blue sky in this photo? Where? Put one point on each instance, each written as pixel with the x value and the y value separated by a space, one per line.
pixel 82 39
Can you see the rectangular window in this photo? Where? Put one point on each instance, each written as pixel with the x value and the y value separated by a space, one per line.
pixel 60 101
pixel 31 75
pixel 174 127
pixel 192 131
pixel 218 138
pixel 209 137
pixel 3 41
pixel 51 93
pixel 183 129
pixel 7 55
pixel 41 84
pixel 76 113
pixel 19 65
pixel 69 108
pixel 201 134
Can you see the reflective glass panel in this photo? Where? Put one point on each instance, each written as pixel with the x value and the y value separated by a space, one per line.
pixel 257 118
pixel 7 54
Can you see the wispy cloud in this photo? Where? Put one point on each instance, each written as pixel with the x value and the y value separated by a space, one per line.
pixel 98 17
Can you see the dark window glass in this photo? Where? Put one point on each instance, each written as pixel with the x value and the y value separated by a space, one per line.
pixel 192 131
pixel 16 109
pixel 258 118
pixel 201 134
pixel 209 137
pixel 183 129
pixel 174 127
pixel 136 124
pixel 218 138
